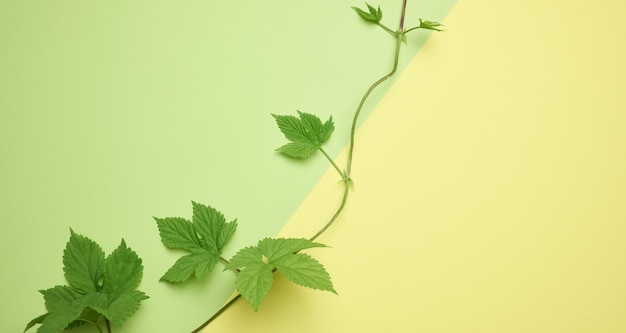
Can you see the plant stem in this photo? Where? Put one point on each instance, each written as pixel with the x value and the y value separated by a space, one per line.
pixel 393 33
pixel 344 199
pixel 408 30
pixel 108 325
pixel 344 175
pixel 347 180
pixel 357 113
pixel 333 163
pixel 402 16
pixel 218 313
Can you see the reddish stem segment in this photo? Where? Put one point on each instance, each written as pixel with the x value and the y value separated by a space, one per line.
pixel 402 16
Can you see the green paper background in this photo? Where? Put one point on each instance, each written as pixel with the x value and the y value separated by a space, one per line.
pixel 112 112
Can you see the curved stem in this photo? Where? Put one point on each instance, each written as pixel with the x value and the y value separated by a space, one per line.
pixel 344 199
pixel 218 313
pixel 409 30
pixel 357 113
pixel 346 177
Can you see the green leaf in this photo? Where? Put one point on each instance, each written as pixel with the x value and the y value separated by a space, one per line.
pixel 373 15
pixel 305 271
pixel 244 258
pixel 64 306
pixel 211 225
pixel 58 297
pixel 257 263
pixel 275 248
pixel 299 150
pixel 35 321
pixel 114 278
pixel 228 230
pixel 291 127
pixel 87 316
pixel 327 129
pixel 205 238
pixel 179 233
pixel 56 322
pixel 78 322
pixel 430 25
pixel 97 301
pixel 123 307
pixel 375 12
pixel 122 271
pixel 199 264
pixel 83 261
pixel 254 282
pixel 306 133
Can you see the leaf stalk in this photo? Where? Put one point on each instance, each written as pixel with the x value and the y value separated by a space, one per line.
pixel 341 173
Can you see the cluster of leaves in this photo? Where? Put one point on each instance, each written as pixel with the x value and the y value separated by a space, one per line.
pixel 99 287
pixel 207 234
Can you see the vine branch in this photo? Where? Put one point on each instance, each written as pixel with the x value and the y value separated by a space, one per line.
pixel 347 181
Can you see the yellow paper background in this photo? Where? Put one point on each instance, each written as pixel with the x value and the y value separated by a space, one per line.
pixel 490 186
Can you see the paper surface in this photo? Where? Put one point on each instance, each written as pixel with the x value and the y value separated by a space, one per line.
pixel 490 187
pixel 115 111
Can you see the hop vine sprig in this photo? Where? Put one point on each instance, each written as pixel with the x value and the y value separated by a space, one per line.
pixel 205 236
pixel 375 15
pixel 306 133
pixel 102 291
